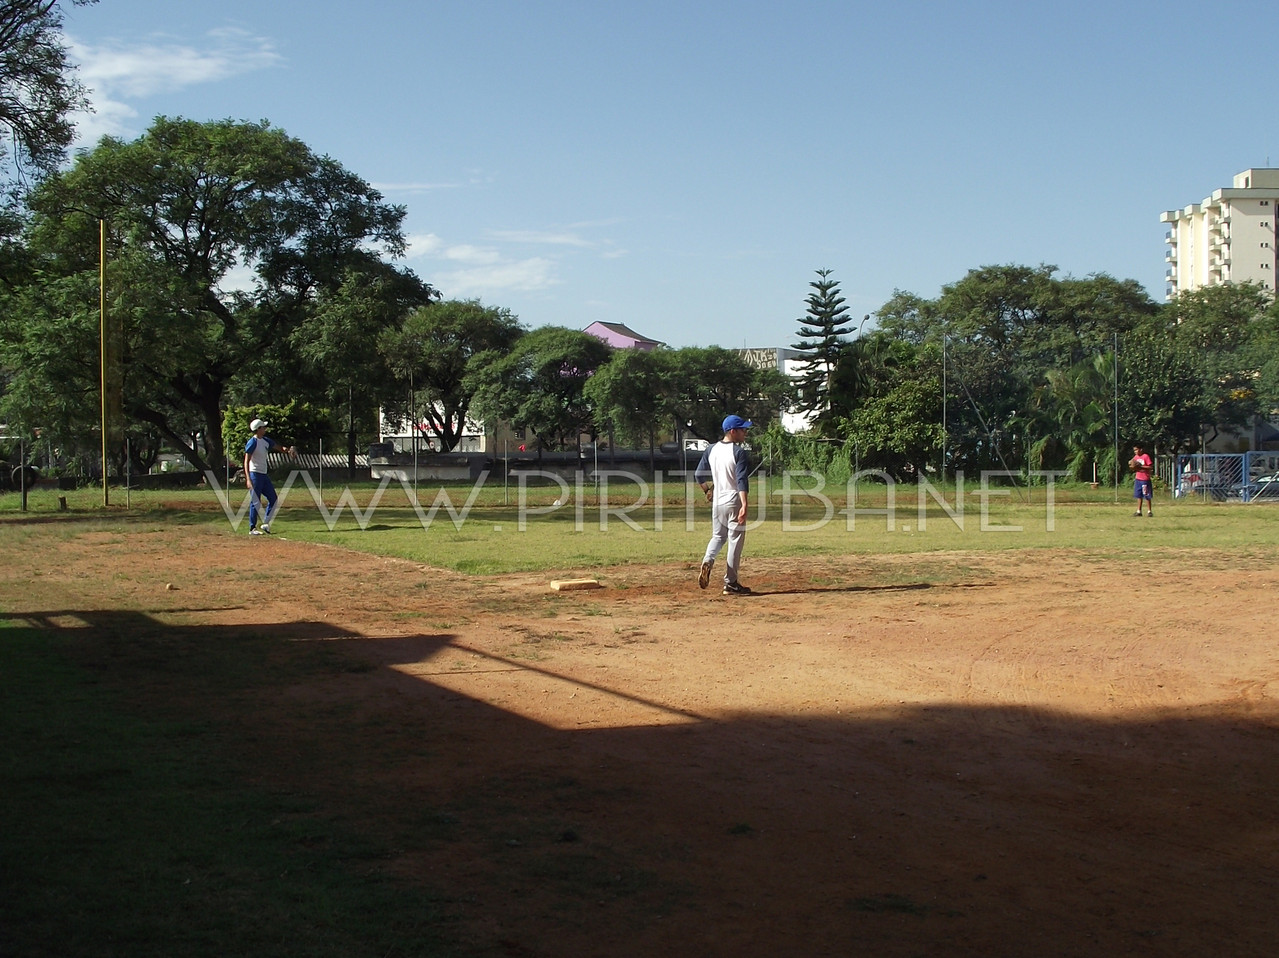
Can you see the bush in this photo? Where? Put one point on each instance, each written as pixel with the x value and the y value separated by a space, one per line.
pixel 782 450
pixel 298 423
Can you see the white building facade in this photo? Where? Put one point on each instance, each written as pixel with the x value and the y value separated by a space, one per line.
pixel 405 437
pixel 1230 237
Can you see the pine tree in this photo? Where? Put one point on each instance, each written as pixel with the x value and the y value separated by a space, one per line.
pixel 821 331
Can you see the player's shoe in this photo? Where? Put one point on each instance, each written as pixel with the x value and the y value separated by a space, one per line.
pixel 704 575
pixel 736 588
pixel 266 528
pixel 255 532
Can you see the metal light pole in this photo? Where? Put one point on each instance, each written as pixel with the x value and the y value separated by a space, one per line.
pixel 413 415
pixel 1115 356
pixel 943 406
pixel 857 442
pixel 102 347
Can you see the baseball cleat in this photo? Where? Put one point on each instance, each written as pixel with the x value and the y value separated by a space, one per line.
pixel 736 588
pixel 704 576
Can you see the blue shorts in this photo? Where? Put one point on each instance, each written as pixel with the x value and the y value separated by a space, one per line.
pixel 1141 489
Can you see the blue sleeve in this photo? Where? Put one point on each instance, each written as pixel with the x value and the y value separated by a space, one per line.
pixel 251 444
pixel 703 470
pixel 743 469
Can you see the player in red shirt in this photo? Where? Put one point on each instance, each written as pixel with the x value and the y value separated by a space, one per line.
pixel 1142 466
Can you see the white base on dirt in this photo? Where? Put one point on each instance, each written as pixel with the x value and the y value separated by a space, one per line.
pixel 567 585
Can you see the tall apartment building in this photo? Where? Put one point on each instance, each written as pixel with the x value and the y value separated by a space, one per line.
pixel 1231 237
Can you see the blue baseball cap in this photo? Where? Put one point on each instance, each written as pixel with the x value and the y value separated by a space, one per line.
pixel 736 422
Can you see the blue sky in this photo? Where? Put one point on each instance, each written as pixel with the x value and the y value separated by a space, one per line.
pixel 684 168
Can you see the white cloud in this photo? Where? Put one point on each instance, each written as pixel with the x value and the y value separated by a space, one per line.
pixel 150 68
pixel 118 72
pixel 476 271
pixel 422 244
pixel 474 255
pixel 480 270
pixel 540 237
pixel 523 275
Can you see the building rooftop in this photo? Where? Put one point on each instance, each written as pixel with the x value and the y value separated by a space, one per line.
pixel 620 329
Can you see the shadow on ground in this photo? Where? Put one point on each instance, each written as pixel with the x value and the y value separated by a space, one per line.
pixel 913 831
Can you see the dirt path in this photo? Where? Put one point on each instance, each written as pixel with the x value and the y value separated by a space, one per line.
pixel 1045 754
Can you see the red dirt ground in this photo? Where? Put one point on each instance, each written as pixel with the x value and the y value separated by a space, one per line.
pixel 964 755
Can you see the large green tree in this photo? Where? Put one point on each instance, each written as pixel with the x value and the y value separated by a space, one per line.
pixel 643 395
pixel 38 92
pixel 222 238
pixel 539 385
pixel 432 353
pixel 822 329
pixel 38 87
pixel 1262 353
pixel 910 319
pixel 1226 332
pixel 1088 316
pixel 49 341
pixel 1165 400
pixel 899 430
pixel 999 331
pixel 705 384
pixel 338 341
pixel 892 419
pixel 1075 408
pixel 631 396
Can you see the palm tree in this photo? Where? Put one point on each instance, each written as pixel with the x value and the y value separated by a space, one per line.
pixel 1079 402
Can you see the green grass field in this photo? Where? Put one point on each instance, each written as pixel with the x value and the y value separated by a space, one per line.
pixel 493 529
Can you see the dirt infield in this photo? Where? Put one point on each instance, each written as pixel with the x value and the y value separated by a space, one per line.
pixel 1035 754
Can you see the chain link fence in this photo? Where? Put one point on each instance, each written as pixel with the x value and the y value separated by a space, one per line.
pixel 1224 477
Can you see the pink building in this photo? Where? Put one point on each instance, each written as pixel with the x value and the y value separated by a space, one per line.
pixel 621 337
